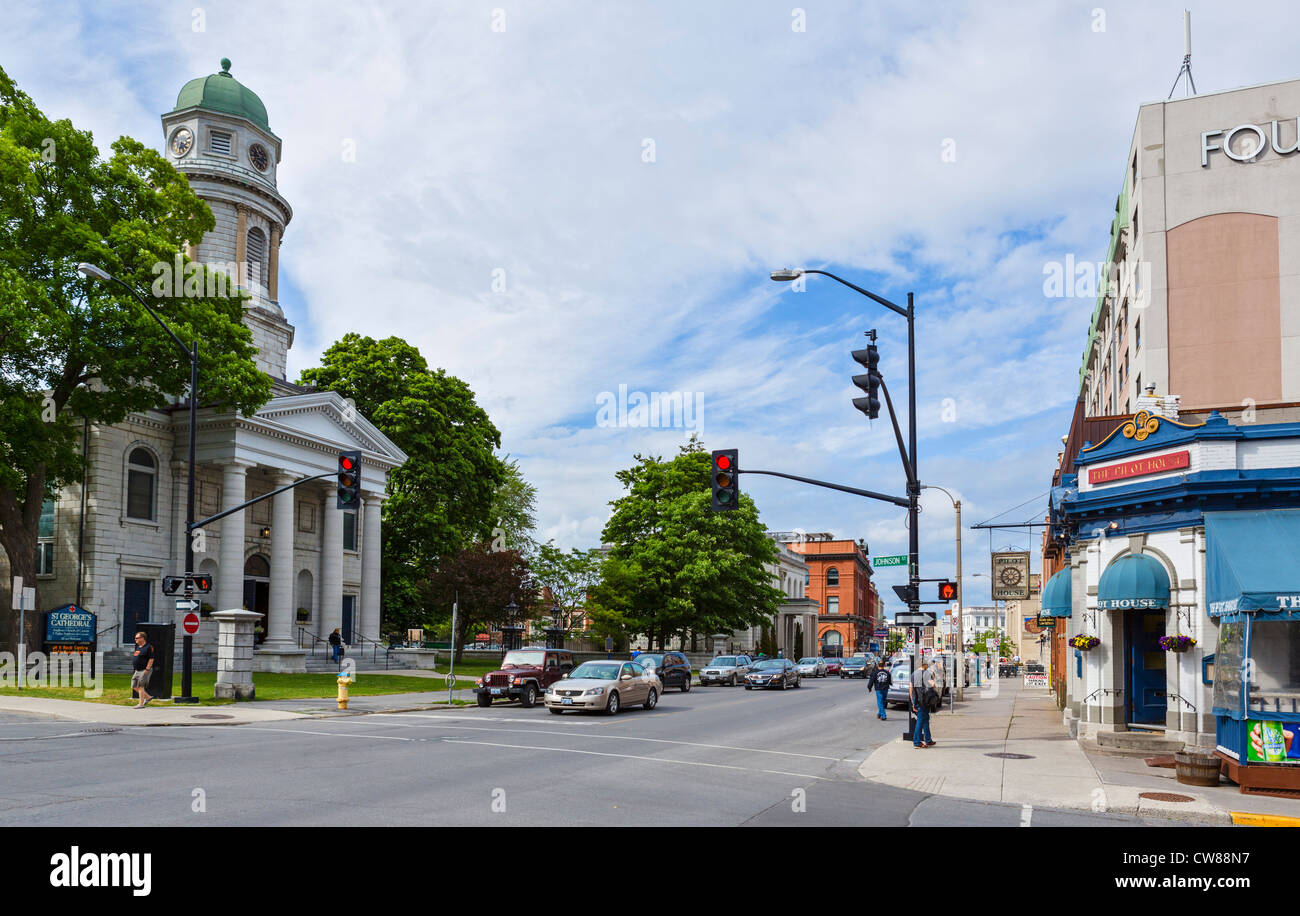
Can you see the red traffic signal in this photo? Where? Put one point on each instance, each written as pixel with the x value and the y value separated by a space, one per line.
pixel 947 591
pixel 349 480
pixel 726 490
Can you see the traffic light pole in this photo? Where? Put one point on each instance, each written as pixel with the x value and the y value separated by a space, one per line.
pixel 187 651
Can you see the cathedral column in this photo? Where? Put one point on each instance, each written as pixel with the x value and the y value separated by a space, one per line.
pixel 241 246
pixel 331 566
pixel 230 572
pixel 371 542
pixel 279 629
pixel 273 266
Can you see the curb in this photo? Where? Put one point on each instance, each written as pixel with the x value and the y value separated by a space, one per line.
pixel 1249 819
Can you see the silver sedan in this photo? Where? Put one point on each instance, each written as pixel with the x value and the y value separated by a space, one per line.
pixel 811 667
pixel 605 685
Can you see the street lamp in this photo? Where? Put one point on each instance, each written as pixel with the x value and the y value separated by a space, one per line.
pixel 961 646
pixel 90 271
pixel 909 457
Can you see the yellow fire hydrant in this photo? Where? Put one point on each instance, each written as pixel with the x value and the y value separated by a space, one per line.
pixel 344 681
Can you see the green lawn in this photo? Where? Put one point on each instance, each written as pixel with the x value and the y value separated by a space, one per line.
pixel 117 687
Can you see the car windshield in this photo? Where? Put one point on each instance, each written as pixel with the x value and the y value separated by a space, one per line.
pixel 724 660
pixel 769 664
pixel 521 657
pixel 597 671
pixel 900 671
pixel 807 661
pixel 855 663
pixel 649 660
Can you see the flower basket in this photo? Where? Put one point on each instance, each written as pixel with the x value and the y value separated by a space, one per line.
pixel 1177 643
pixel 1084 643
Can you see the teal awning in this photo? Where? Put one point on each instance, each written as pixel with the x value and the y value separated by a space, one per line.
pixel 1134 582
pixel 1057 595
pixel 1250 562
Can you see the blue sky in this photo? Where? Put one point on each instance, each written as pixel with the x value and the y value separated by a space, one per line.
pixel 509 141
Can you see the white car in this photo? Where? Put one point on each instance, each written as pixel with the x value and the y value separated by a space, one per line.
pixel 605 686
pixel 811 667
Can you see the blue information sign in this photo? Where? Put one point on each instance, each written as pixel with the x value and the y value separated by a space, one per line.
pixel 69 629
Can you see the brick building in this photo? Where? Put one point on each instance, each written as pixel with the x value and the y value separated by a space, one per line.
pixel 839 580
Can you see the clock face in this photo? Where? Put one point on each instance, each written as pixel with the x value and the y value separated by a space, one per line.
pixel 1010 576
pixel 182 140
pixel 257 155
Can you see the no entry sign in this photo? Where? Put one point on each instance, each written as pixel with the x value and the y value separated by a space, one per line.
pixel 190 624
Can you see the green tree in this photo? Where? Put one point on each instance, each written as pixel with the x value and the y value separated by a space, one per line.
pixel 440 501
pixel 483 581
pixel 514 510
pixel 75 350
pixel 699 570
pixel 570 577
pixel 894 643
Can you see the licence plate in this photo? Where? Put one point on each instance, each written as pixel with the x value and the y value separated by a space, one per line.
pixel 496 691
pixel 566 701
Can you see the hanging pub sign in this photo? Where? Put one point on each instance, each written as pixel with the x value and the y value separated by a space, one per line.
pixel 1046 623
pixel 69 629
pixel 1011 580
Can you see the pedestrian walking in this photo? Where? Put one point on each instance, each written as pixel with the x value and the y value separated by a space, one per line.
pixel 336 644
pixel 921 693
pixel 142 668
pixel 880 681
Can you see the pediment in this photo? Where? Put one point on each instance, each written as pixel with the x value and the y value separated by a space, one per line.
pixel 327 417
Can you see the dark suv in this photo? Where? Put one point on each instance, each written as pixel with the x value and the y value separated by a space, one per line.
pixel 524 675
pixel 672 668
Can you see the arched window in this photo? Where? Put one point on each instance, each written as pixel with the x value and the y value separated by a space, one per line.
pixel 257 567
pixel 256 254
pixel 832 576
pixel 141 484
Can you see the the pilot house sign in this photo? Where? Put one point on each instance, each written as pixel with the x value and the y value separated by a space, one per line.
pixel 1011 575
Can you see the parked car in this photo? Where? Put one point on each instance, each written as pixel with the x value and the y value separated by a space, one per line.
pixel 725 669
pixel 606 686
pixel 833 665
pixel 812 667
pixel 524 675
pixel 857 666
pixel 773 672
pixel 672 668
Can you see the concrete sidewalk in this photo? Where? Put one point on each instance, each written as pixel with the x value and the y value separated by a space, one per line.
pixel 160 712
pixel 1054 773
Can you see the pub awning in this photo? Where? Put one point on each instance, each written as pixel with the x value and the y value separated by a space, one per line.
pixel 1134 582
pixel 1057 594
pixel 1250 562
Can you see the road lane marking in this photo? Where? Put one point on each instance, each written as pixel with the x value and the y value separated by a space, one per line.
pixel 295 731
pixel 43 737
pixel 540 731
pixel 689 763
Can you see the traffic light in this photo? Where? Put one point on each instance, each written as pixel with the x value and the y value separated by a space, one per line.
pixel 172 584
pixel 870 383
pixel 726 490
pixel 201 584
pixel 906 593
pixel 947 591
pixel 349 480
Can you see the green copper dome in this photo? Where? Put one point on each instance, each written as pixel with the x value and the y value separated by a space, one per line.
pixel 222 92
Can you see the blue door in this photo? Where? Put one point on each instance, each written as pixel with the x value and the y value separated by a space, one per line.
pixel 135 607
pixel 349 605
pixel 1144 666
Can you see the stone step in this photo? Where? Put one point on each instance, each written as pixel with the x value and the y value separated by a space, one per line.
pixel 1146 743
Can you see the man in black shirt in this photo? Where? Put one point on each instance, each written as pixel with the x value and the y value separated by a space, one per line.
pixel 880 681
pixel 142 663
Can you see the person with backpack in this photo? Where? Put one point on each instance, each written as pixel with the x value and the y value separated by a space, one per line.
pixel 923 694
pixel 880 682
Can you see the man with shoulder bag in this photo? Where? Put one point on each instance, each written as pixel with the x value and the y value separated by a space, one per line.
pixel 923 694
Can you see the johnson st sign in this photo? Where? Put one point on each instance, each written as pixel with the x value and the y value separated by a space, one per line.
pixel 1253 141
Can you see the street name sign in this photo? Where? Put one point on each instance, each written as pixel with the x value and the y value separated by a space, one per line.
pixel 889 561
pixel 919 619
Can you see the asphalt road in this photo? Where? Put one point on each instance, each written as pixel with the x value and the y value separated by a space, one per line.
pixel 712 757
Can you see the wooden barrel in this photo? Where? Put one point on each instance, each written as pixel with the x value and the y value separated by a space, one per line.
pixel 1196 768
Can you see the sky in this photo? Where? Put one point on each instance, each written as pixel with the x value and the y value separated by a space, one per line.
pixel 561 201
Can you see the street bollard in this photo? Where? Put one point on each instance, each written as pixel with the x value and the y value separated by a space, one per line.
pixel 344 680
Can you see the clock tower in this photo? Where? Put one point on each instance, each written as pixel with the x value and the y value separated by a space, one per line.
pixel 219 136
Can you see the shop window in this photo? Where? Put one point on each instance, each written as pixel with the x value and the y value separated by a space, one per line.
pixel 1274 685
pixel 1228 667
